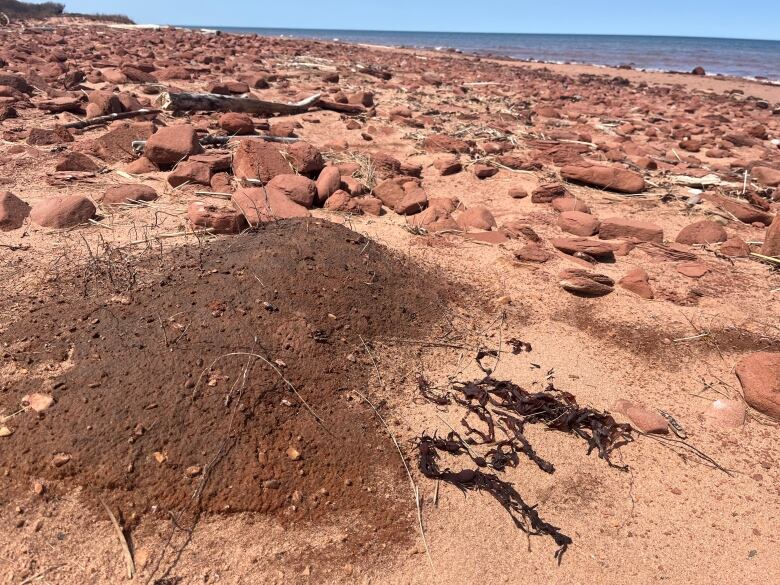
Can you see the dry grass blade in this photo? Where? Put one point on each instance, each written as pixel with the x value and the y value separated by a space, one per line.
pixel 41 575
pixel 129 562
pixel 214 194
pixel 767 259
pixel 278 373
pixel 366 172
pixel 415 489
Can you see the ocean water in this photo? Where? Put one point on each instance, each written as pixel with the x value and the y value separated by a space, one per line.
pixel 736 57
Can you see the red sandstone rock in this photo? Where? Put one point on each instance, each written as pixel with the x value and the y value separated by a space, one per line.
pixel 264 205
pixel 586 283
pixel 17 82
pixel 432 78
pixel 410 169
pixel 47 136
pixel 218 220
pixel 615 228
pixel 115 76
pixel 215 160
pixel 343 202
pixel 190 172
pixel 353 185
pixel 477 217
pixel 638 282
pixel 385 165
pixel 257 159
pixel 578 223
pixel 646 420
pixel 370 205
pixel 256 81
pixel 297 188
pixel 646 163
pixel 390 193
pixel 123 194
pixel 283 128
pixel 228 87
pixel 414 200
pixel 611 178
pixel 759 374
pixel 447 204
pixel 305 158
pixel 141 166
pixel 137 75
pixel 595 248
pixel 448 165
pixel 328 183
pixel 563 204
pixel 443 143
pixel 702 232
pixel 484 171
pixel 771 246
pixel 428 217
pixel 236 124
pixel 548 192
pixel 102 103
pixel 517 193
pixel 173 144
pixel 116 144
pixel 62 212
pixel 735 248
pixel 78 162
pixel 532 252
pixel 364 98
pixel 220 183
pixel 13 212
pixel 692 269
pixel 766 176
pixel 744 212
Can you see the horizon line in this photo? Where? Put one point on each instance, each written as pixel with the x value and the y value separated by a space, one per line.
pixel 368 30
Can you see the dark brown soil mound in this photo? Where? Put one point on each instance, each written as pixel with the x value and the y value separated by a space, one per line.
pixel 172 396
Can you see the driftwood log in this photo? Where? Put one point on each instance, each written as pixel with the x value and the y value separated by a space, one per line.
pixel 212 102
pixel 342 108
pixel 111 117
pixel 139 145
pixel 374 71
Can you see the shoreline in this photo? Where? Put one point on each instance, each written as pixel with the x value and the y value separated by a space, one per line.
pixel 669 76
pixel 449 50
pixel 761 89
pixel 492 53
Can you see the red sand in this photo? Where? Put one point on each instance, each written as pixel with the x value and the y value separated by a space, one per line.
pixel 521 127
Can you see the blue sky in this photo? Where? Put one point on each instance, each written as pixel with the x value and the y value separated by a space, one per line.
pixel 757 19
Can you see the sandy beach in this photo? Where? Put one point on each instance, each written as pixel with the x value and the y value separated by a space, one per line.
pixel 249 285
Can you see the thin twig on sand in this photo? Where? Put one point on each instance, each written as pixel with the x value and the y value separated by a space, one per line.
pixel 122 540
pixel 39 576
pixel 415 489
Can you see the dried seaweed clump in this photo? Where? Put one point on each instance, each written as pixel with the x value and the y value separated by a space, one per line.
pixel 504 407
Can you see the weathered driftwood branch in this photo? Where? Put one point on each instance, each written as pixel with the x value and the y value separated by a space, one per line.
pixel 110 118
pixel 222 140
pixel 343 108
pixel 139 145
pixel 374 71
pixel 212 102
